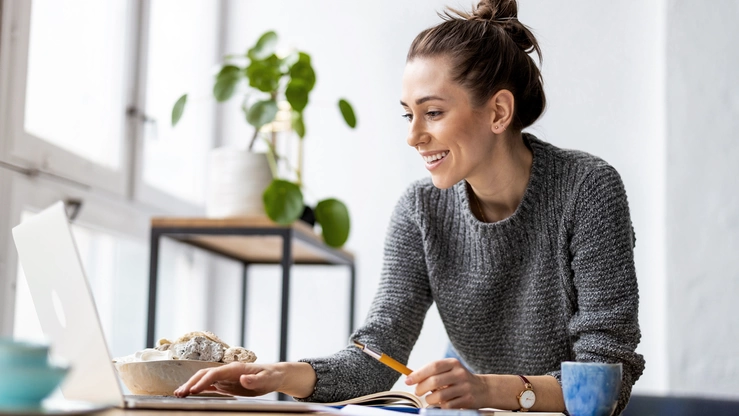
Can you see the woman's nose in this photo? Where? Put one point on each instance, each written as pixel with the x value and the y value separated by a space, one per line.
pixel 416 135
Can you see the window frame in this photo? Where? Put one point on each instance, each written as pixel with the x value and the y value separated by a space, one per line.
pixel 117 202
pixel 25 150
pixel 30 151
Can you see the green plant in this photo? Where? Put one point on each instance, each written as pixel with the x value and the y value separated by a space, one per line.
pixel 274 85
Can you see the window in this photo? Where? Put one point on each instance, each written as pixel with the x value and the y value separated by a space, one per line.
pixel 75 93
pixel 73 72
pixel 182 57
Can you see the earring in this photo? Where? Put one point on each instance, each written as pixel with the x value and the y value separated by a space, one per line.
pixel 497 127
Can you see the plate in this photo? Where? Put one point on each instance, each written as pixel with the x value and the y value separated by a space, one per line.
pixel 57 407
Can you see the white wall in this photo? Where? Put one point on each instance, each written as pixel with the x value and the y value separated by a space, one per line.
pixel 703 197
pixel 605 72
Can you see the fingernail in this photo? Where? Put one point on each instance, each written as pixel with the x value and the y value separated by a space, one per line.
pixel 408 381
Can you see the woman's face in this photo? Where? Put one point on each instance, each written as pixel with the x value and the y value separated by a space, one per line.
pixel 454 140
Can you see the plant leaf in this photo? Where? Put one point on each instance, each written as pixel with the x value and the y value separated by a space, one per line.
pixel 348 113
pixel 229 71
pixel 225 86
pixel 289 61
pixel 303 71
pixel 333 216
pixel 261 113
pixel 265 75
pixel 264 47
pixel 297 124
pixel 283 201
pixel 297 94
pixel 178 109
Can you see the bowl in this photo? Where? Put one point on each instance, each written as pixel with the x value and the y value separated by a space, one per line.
pixel 22 354
pixel 27 386
pixel 159 378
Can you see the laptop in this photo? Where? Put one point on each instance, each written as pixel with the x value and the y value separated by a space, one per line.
pixel 69 320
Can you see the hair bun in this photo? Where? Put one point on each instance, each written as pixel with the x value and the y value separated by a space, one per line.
pixel 496 9
pixel 505 14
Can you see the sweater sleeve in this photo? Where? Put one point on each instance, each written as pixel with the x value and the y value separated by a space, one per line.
pixel 604 326
pixel 395 317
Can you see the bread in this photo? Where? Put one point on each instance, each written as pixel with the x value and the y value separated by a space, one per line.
pixel 205 346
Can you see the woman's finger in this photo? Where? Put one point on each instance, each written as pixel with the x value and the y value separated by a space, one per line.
pixel 213 375
pixel 184 390
pixel 463 401
pixel 454 375
pixel 444 395
pixel 428 370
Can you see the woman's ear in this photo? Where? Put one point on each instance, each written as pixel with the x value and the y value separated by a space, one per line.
pixel 501 107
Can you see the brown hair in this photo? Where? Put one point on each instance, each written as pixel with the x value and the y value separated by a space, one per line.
pixel 489 51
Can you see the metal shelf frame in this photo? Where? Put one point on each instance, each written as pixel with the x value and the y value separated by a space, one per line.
pixel 288 235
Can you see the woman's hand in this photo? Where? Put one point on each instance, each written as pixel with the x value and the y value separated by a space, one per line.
pixel 239 379
pixel 451 385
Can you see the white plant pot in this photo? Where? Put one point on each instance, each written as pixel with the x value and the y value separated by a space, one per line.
pixel 236 181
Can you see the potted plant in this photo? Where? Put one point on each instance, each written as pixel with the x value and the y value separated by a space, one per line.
pixel 277 91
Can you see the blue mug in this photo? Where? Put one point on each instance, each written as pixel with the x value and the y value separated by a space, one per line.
pixel 26 377
pixel 591 389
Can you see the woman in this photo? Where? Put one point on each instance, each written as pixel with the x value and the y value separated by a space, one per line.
pixel 526 249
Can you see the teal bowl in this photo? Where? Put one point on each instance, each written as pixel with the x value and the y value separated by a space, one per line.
pixel 26 387
pixel 22 354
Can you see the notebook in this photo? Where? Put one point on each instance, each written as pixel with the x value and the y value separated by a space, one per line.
pixel 397 400
pixel 69 320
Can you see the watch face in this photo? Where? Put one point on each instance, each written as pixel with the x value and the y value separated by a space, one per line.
pixel 527 399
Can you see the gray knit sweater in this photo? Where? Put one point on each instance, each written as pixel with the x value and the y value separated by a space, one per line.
pixel 553 282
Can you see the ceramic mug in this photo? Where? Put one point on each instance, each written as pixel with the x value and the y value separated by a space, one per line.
pixel 26 377
pixel 591 389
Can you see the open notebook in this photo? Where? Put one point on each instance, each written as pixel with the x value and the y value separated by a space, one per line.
pixel 385 398
pixel 398 398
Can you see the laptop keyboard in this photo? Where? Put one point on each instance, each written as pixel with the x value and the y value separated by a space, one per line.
pixel 159 399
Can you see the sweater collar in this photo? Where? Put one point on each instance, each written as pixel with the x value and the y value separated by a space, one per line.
pixel 525 207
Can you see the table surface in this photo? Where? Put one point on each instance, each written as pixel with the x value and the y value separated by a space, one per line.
pixel 142 412
pixel 264 249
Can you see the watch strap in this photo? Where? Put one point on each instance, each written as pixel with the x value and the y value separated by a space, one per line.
pixel 527 387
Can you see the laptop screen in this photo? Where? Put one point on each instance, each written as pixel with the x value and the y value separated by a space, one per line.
pixel 65 306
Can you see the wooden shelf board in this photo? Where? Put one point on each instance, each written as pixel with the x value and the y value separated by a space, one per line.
pixel 253 249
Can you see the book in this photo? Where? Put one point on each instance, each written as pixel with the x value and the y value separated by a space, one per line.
pixel 385 398
pixel 398 398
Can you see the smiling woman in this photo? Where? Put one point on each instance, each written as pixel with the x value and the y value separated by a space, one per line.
pixel 526 249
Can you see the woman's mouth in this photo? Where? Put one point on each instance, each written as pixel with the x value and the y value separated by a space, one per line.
pixel 432 161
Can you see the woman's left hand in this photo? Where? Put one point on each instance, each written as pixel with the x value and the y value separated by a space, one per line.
pixel 450 384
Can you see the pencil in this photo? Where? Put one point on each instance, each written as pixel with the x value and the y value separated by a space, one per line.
pixel 384 358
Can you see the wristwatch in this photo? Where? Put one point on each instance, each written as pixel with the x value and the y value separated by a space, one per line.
pixel 527 397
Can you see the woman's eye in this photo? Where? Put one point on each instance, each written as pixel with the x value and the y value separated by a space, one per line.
pixel 433 114
pixel 408 117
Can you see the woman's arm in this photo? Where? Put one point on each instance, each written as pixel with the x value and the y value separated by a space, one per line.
pixel 395 317
pixel 604 324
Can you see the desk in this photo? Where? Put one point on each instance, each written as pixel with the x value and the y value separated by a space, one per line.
pixel 248 240
pixel 141 412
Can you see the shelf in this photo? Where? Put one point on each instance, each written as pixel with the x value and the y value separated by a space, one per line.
pixel 262 244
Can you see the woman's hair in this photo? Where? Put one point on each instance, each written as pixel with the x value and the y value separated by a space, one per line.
pixel 489 51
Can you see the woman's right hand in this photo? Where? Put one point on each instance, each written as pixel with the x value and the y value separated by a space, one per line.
pixel 241 379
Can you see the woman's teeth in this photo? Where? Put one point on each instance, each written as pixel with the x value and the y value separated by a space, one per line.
pixel 433 158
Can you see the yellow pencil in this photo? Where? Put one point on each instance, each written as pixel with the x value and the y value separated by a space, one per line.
pixel 384 358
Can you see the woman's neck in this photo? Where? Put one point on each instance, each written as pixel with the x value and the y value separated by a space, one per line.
pixel 499 189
